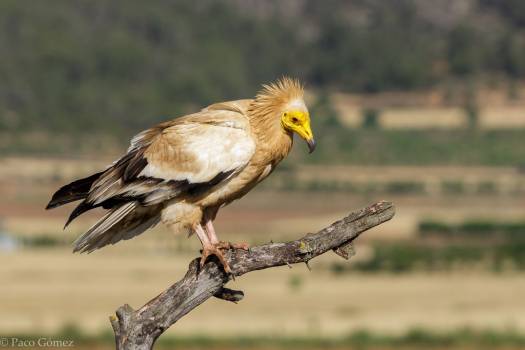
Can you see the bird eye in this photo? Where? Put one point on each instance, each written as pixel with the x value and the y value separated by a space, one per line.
pixel 295 120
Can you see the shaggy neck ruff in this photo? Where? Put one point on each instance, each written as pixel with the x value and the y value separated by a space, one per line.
pixel 265 114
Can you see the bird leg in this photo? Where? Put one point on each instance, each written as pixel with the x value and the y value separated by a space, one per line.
pixel 210 248
pixel 212 236
pixel 210 231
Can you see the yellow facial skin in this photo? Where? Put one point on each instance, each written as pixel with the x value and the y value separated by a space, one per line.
pixel 299 122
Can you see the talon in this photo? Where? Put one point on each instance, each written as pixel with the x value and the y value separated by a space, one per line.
pixel 203 260
pixel 205 254
pixel 216 250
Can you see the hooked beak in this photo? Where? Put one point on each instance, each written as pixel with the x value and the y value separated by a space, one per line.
pixel 305 131
pixel 311 144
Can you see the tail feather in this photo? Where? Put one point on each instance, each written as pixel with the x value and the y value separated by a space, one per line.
pixel 79 210
pixel 123 222
pixel 76 190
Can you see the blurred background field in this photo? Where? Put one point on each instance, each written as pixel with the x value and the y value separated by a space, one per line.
pixel 417 102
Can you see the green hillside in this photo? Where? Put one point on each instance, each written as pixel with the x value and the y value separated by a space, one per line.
pixel 71 68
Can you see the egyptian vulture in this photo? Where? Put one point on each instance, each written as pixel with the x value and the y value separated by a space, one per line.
pixel 182 171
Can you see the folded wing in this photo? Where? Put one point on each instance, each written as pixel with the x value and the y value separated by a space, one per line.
pixel 186 157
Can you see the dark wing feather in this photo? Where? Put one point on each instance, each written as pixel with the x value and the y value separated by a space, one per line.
pixel 126 168
pixel 134 166
pixel 74 191
pixel 80 209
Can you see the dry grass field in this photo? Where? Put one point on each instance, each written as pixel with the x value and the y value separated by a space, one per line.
pixel 44 289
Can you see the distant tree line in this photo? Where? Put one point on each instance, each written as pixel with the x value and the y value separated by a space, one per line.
pixel 116 67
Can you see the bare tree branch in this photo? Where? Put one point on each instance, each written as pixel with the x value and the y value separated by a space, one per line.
pixel 139 329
